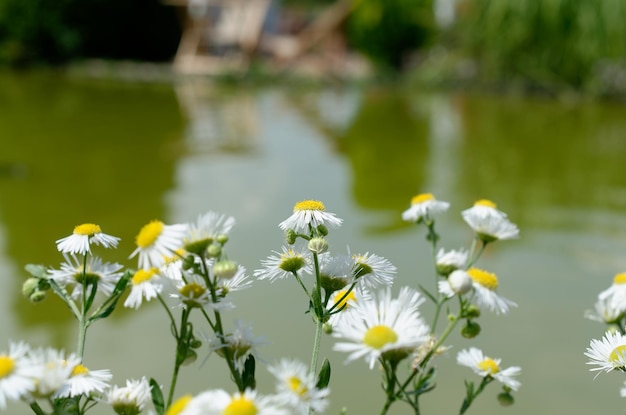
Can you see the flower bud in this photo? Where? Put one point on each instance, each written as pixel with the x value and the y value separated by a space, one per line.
pixel 291 236
pixel 30 286
pixel 195 343
pixel 318 245
pixel 505 399
pixel 460 281
pixel 322 229
pixel 225 269
pixel 188 262
pixel 214 250
pixel 472 311
pixel 470 330
pixel 37 296
pixel 191 357
pixel 222 238
pixel 328 328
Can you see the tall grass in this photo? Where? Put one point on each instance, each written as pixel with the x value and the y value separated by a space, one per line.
pixel 548 43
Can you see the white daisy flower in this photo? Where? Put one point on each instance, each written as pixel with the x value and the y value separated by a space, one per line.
pixel 458 282
pixel 489 223
pixel 157 241
pixel 309 213
pixel 424 206
pixel 607 311
pixel 283 264
pixel 220 402
pixel 343 302
pixel 129 399
pixel 616 293
pixel 74 273
pixel 486 366
pixel 206 230
pixel 237 282
pixel 146 283
pixel 56 370
pixel 83 236
pixel 448 261
pixel 607 354
pixel 485 285
pixel 382 328
pixel 297 387
pixel 17 373
pixel 172 267
pixel 192 292
pixel 373 270
pixel 336 271
pixel 83 381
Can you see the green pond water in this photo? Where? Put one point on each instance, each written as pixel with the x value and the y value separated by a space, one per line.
pixel 116 153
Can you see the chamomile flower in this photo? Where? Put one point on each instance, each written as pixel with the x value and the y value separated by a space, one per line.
pixel 83 381
pixel 146 283
pixel 485 285
pixel 206 230
pixel 607 354
pixel 489 223
pixel 607 311
pixel 83 236
pixel 157 241
pixel 56 369
pixel 373 270
pixel 297 387
pixel 17 373
pixel 382 328
pixel 283 264
pixel 616 293
pixel 448 261
pixel 458 282
pixel 486 366
pixel 74 273
pixel 220 402
pixel 129 399
pixel 309 213
pixel 239 281
pixel 423 207
pixel 342 302
pixel 192 292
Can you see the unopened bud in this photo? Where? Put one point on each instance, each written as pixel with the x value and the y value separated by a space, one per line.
pixel 470 330
pixel 214 250
pixel 291 236
pixel 460 281
pixel 318 245
pixel 505 399
pixel 322 229
pixel 472 311
pixel 188 262
pixel 190 358
pixel 29 286
pixel 328 328
pixel 37 296
pixel 225 269
pixel 222 238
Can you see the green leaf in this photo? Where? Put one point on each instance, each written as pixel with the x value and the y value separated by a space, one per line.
pixel 247 375
pixel 157 397
pixel 323 377
pixel 38 271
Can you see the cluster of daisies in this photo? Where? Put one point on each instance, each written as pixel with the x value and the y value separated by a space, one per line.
pixel 609 353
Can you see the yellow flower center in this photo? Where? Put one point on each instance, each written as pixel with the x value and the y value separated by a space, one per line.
pixel 87 229
pixel 485 202
pixel 295 384
pixel 484 278
pixel 422 197
pixel 378 336
pixel 6 366
pixel 192 290
pixel 178 406
pixel 618 354
pixel 143 275
pixel 344 301
pixel 620 278
pixel 488 365
pixel 240 406
pixel 309 205
pixel 149 233
pixel 79 370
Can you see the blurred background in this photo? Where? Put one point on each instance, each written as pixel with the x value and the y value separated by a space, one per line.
pixel 120 112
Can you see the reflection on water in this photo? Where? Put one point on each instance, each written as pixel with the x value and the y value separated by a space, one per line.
pixel 122 154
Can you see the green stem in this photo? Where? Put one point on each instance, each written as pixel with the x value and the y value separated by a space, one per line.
pixel 316 346
pixel 390 383
pixel 473 257
pixel 467 402
pixel 36 408
pixel 319 314
pixel 83 324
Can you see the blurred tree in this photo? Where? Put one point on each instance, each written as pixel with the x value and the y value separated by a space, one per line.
pixel 53 31
pixel 388 31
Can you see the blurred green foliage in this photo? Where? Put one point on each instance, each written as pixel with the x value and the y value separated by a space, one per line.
pixel 54 31
pixel 388 31
pixel 549 43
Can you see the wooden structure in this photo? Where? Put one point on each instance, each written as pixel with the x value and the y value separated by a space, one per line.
pixel 224 35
